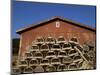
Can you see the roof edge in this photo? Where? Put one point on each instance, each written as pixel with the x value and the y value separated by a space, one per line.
pixel 54 18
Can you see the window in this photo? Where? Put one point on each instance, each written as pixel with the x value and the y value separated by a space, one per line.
pixel 57 24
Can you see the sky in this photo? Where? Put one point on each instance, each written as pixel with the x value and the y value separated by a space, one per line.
pixel 26 13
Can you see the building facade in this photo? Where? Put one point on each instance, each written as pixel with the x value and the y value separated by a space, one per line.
pixel 57 44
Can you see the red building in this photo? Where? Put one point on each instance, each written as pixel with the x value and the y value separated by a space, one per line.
pixel 55 27
pixel 56 44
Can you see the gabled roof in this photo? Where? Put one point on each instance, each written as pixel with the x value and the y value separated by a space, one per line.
pixel 53 19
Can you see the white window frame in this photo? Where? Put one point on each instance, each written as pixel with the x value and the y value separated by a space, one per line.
pixel 57 24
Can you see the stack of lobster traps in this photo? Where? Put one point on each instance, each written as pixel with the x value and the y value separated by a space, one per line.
pixel 56 54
